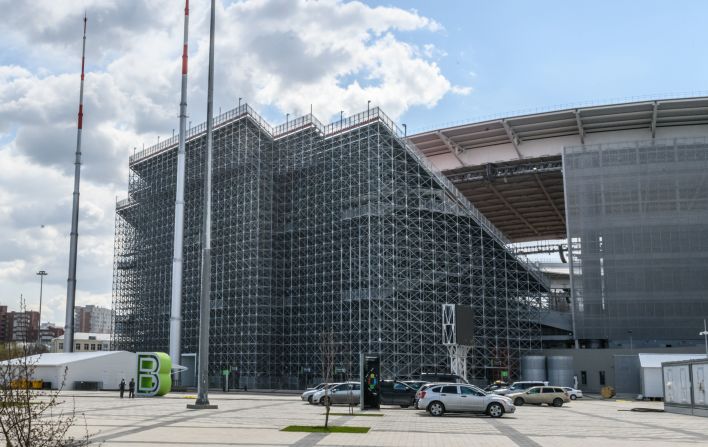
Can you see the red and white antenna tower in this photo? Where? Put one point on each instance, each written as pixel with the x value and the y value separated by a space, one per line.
pixel 176 304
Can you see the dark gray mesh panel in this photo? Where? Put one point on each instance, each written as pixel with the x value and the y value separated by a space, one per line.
pixel 638 225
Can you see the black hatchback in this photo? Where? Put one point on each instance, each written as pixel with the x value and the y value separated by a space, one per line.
pixel 394 392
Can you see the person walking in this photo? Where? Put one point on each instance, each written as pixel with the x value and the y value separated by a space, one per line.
pixel 131 388
pixel 121 387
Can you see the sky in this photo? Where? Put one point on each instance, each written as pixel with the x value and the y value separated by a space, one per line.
pixel 428 64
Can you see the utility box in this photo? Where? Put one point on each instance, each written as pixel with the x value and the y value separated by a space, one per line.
pixel 685 387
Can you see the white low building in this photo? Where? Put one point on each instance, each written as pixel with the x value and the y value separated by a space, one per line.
pixel 84 370
pixel 652 384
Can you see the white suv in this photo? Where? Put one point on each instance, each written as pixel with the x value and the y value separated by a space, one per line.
pixel 459 398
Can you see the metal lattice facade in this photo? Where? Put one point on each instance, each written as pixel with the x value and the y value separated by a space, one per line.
pixel 341 228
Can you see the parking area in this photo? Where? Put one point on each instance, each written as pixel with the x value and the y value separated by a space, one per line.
pixel 256 419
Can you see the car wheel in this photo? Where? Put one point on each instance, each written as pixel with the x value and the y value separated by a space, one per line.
pixel 309 399
pixel 436 409
pixel 557 402
pixel 519 402
pixel 495 410
pixel 573 397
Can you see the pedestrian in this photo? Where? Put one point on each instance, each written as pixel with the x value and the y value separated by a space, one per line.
pixel 575 382
pixel 121 387
pixel 131 388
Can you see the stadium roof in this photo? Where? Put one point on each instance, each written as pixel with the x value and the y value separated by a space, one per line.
pixel 523 196
pixel 578 121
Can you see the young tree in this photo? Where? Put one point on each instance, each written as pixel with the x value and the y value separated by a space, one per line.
pixel 328 352
pixel 30 417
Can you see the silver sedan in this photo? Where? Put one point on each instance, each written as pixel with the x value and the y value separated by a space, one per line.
pixel 343 393
pixel 460 398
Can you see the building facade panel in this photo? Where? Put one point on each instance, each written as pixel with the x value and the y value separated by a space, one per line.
pixel 637 216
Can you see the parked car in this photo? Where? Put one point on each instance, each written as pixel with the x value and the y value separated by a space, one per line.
pixel 318 394
pixel 456 398
pixel 573 393
pixel 538 395
pixel 342 393
pixel 419 393
pixel 517 387
pixel 496 385
pixel 395 392
pixel 307 395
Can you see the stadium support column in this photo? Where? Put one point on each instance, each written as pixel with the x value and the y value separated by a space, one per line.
pixel 176 307
pixel 74 235
pixel 570 254
pixel 204 301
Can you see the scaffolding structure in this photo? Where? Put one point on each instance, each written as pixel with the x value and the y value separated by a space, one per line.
pixel 343 228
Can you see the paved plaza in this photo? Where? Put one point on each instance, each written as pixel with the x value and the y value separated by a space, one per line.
pixel 256 420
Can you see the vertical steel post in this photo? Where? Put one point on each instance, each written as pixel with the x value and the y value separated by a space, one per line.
pixel 74 236
pixel 176 307
pixel 204 301
pixel 41 275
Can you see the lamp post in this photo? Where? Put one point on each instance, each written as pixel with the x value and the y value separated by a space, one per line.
pixel 705 334
pixel 41 275
pixel 202 401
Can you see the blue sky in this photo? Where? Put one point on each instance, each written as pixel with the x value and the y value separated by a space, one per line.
pixel 520 55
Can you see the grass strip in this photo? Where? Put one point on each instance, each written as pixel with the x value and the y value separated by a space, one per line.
pixel 355 414
pixel 322 429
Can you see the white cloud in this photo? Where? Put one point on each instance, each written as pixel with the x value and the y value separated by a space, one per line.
pixel 280 55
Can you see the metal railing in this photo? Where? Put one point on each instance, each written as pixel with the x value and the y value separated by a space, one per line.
pixel 124 203
pixel 231 115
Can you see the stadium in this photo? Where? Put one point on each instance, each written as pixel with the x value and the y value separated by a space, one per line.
pixel 577 228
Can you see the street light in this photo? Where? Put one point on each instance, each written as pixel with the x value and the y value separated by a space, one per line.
pixel 41 275
pixel 705 334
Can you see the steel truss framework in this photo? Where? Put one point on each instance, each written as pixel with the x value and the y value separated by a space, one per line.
pixel 343 228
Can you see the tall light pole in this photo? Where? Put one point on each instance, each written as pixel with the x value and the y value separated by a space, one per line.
pixel 74 235
pixel 705 334
pixel 41 275
pixel 202 401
